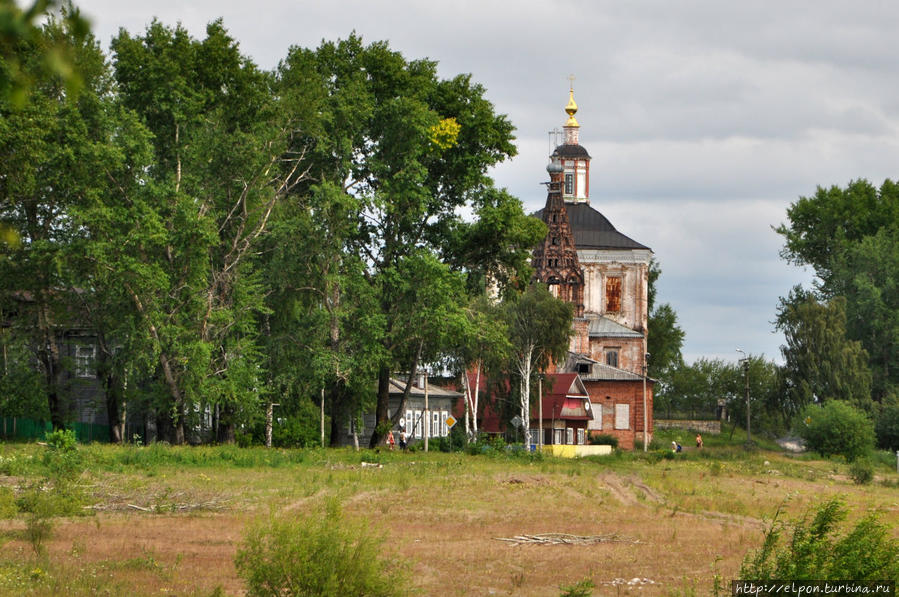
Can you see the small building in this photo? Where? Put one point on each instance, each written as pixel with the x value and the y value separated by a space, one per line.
pixel 567 411
pixel 413 420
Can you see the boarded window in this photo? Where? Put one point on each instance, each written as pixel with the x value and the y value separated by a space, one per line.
pixel 622 416
pixel 613 295
pixel 612 357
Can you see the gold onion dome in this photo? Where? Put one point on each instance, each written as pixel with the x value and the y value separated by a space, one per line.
pixel 571 109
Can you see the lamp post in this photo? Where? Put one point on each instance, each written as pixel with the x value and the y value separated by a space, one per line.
pixel 745 362
pixel 645 414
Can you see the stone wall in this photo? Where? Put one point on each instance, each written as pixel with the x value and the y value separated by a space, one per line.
pixel 713 427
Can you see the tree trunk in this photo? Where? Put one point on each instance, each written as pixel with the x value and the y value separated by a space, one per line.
pixel 382 412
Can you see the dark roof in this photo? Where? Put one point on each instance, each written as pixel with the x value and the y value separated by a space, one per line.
pixel 569 150
pixel 592 230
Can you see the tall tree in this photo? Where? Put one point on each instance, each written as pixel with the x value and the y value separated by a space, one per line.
pixel 820 362
pixel 412 149
pixel 539 329
pixel 221 163
pixel 665 337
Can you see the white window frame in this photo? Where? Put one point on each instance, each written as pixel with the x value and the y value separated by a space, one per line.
pixel 622 416
pixel 581 436
pixel 569 435
pixel 85 355
pixel 443 429
pixel 557 436
pixel 435 424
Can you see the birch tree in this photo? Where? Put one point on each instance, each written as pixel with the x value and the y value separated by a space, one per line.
pixel 539 329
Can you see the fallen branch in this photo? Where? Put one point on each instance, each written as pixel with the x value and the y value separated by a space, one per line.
pixel 565 539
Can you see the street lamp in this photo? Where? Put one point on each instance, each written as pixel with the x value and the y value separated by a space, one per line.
pixel 645 414
pixel 745 362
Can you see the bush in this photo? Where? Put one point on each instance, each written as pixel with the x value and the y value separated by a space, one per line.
pixel 836 429
pixel 815 551
pixel 887 428
pixel 861 471
pixel 604 439
pixel 318 554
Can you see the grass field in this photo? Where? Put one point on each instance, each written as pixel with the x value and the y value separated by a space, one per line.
pixel 168 521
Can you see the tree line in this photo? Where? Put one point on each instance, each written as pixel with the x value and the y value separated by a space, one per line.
pixel 232 237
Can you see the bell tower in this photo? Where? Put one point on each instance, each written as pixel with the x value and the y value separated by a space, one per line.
pixel 555 261
pixel 573 158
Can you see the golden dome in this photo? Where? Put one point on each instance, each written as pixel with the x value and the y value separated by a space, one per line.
pixel 571 109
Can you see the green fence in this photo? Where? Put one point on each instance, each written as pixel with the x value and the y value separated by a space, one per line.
pixel 23 429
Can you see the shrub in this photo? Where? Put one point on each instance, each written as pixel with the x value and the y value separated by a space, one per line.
pixel 318 554
pixel 861 471
pixel 8 507
pixel 816 550
pixel 836 429
pixel 582 588
pixel 887 428
pixel 604 439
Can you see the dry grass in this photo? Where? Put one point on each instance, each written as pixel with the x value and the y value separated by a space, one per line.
pixel 685 521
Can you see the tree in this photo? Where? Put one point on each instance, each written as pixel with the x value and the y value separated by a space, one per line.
pixel 665 338
pixel 836 428
pixel 539 329
pixel 51 153
pixel 820 362
pixel 411 149
pixel 847 236
pixel 222 160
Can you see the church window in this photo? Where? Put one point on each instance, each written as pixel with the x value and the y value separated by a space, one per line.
pixel 613 295
pixel 555 240
pixel 612 357
pixel 583 368
pixel 569 183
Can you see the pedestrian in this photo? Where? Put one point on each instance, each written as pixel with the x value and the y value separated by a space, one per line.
pixel 698 440
pixel 403 440
pixel 390 440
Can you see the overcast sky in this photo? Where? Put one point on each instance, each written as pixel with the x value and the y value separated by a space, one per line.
pixel 705 119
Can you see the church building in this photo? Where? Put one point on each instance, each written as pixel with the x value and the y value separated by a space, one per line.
pixel 604 274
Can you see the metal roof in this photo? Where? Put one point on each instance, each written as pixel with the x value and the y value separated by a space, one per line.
pixel 571 150
pixel 603 327
pixel 592 230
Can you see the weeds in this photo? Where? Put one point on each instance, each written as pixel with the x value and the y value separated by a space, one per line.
pixel 321 554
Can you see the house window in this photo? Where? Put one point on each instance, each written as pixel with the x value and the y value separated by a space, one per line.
pixel 557 436
pixel 622 416
pixel 436 431
pixel 569 436
pixel 84 360
pixel 443 429
pixel 569 183
pixel 612 357
pixel 417 424
pixel 583 368
pixel 580 436
pixel 613 295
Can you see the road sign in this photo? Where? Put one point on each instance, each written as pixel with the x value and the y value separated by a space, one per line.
pixel 450 421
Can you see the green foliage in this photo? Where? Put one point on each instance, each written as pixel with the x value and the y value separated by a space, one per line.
pixel 817 550
pixel 666 338
pixel 8 508
pixel 821 362
pixel 320 554
pixel 836 428
pixel 582 588
pixel 604 439
pixel 886 427
pixel 848 235
pixel 62 458
pixel 861 471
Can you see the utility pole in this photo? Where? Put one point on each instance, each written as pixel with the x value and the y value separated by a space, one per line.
pixel 540 413
pixel 427 414
pixel 645 414
pixel 745 362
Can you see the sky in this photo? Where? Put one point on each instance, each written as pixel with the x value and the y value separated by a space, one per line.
pixel 705 119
